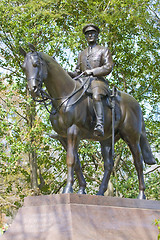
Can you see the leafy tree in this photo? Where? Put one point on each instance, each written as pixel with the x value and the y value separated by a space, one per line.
pixel 30 159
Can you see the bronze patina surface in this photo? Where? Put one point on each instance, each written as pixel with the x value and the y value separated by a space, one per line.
pixel 95 61
pixel 74 115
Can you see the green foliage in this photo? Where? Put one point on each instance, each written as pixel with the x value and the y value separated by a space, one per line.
pixel 131 30
pixel 157 223
pixel 152 185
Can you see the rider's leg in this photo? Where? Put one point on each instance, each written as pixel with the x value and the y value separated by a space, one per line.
pixel 98 107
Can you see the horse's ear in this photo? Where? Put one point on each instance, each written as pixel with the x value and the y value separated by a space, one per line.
pixel 32 47
pixel 22 51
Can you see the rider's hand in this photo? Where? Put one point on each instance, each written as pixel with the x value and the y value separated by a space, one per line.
pixel 88 72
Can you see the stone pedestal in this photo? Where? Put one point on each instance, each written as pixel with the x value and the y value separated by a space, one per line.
pixel 84 217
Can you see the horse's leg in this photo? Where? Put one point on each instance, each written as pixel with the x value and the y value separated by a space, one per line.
pixel 106 149
pixel 136 152
pixel 77 168
pixel 78 171
pixel 134 146
pixel 72 146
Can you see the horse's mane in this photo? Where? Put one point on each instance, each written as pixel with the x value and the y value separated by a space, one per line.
pixel 50 61
pixel 46 57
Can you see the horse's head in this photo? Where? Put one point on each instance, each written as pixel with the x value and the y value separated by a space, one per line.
pixel 34 69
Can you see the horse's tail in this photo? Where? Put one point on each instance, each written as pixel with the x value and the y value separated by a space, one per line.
pixel 145 147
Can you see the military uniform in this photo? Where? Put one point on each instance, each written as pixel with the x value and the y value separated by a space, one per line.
pixel 99 60
pixel 96 62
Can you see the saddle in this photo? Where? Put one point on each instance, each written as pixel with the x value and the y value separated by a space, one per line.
pixel 111 101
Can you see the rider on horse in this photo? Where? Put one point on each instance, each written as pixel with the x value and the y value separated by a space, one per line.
pixel 96 62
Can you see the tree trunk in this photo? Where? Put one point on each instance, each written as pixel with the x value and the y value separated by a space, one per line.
pixel 31 110
pixel 33 170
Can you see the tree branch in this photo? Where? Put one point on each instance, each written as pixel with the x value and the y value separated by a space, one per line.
pixel 152 169
pixel 156 15
pixel 15 110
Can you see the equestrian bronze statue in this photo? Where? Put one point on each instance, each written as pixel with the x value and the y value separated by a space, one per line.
pixel 74 116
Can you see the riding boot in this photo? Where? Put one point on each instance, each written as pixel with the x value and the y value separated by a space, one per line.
pixel 99 128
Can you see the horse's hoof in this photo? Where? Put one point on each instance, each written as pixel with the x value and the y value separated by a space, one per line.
pixel 81 191
pixel 141 196
pixel 68 190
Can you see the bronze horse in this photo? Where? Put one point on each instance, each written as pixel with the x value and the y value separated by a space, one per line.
pixel 73 118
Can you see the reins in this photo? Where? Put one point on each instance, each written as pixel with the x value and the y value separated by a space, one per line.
pixel 45 96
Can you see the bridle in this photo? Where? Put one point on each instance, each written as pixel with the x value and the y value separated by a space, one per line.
pixel 45 96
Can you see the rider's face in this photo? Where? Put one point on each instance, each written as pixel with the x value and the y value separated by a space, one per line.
pixel 91 37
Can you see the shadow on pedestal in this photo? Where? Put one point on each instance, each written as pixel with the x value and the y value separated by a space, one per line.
pixel 84 217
